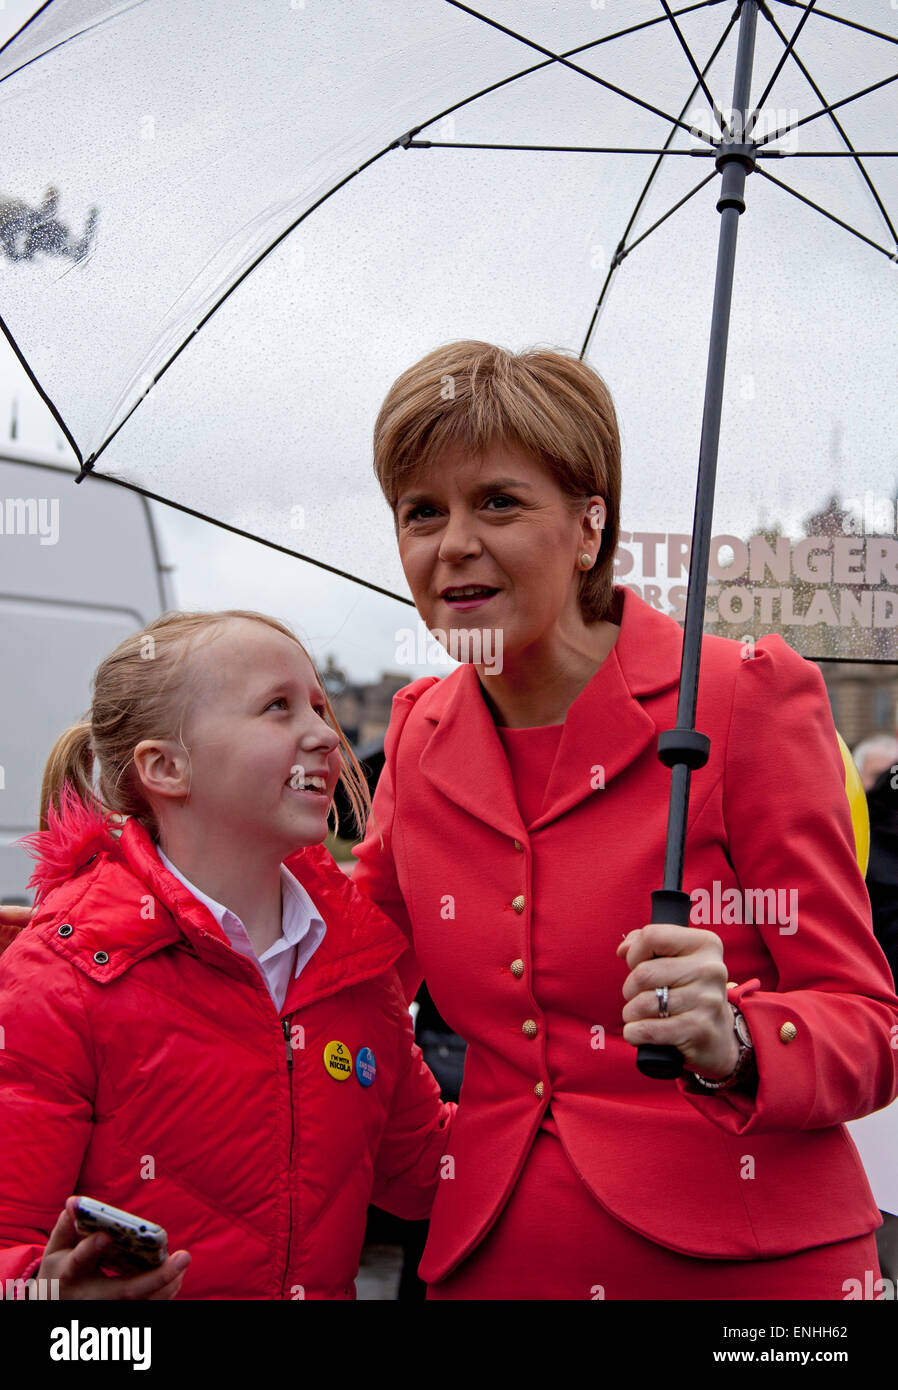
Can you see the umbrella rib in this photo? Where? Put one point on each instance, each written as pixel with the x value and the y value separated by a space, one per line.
pixel 40 390
pixel 892 255
pixel 87 465
pixel 249 535
pixel 850 150
pixel 850 153
pixel 62 43
pixel 721 119
pixel 623 252
pixel 840 19
pixel 584 72
pixel 537 67
pixel 644 24
pixel 641 199
pixel 750 123
pixel 827 110
pixel 560 149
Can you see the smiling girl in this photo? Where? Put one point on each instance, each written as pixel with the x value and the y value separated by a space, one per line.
pixel 203 1020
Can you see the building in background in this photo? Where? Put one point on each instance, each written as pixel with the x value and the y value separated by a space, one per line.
pixel 363 710
pixel 863 698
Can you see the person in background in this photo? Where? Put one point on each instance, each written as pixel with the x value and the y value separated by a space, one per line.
pixel 877 1135
pixel 873 755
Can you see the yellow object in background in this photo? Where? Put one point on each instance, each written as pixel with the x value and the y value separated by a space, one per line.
pixel 857 801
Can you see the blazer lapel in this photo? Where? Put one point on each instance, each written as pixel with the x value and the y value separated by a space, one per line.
pixel 605 730
pixel 464 758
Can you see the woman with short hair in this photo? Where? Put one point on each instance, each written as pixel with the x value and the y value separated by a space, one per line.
pixel 519 829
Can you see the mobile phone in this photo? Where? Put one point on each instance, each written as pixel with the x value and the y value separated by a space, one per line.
pixel 138 1244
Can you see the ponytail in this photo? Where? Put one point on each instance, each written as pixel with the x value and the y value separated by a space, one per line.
pixel 70 760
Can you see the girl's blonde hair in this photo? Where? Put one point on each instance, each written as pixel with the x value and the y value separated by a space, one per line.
pixel 142 691
pixel 548 402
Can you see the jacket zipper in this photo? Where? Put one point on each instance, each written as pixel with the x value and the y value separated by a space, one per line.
pixel 285 1025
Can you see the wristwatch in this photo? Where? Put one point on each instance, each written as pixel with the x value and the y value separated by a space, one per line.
pixel 743 1065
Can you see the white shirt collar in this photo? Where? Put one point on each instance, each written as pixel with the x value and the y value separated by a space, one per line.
pixel 300 917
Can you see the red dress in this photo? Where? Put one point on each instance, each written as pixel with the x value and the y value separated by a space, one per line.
pixel 531 1253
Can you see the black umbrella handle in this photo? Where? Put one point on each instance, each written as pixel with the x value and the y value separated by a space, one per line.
pixel 654 1059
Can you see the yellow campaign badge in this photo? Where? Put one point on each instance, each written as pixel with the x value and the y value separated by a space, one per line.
pixel 338 1060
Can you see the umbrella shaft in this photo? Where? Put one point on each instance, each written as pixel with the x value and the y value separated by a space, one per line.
pixel 735 167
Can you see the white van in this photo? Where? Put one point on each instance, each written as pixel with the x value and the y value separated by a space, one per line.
pixel 80 568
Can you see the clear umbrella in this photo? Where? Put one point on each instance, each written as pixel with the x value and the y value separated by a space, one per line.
pixel 232 227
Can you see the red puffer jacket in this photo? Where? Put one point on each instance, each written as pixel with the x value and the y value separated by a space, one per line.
pixel 145 1065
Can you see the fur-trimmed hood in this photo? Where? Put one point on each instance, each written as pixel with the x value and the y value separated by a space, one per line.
pixel 75 835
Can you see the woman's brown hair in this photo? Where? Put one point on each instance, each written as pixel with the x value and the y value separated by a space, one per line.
pixel 548 402
pixel 142 691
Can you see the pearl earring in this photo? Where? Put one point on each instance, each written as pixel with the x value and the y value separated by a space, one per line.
pixel 586 561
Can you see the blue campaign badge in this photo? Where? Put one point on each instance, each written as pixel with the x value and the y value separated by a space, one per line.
pixel 365 1066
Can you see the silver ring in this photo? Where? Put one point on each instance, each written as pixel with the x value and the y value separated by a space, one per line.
pixel 663 994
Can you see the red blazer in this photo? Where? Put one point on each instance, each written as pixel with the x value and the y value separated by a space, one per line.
pixel 721 1175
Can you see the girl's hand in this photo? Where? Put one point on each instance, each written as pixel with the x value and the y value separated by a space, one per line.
pixel 12 920
pixel 12 915
pixel 73 1260
pixel 700 1023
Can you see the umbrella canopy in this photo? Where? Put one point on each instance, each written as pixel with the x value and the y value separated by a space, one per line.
pixel 224 231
